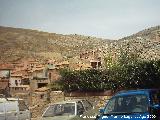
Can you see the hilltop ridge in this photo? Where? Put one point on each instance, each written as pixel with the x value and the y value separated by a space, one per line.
pixel 17 43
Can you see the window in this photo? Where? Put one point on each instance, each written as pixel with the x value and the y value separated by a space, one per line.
pixel 16 82
pixel 155 96
pixel 87 105
pixel 22 105
pixel 127 104
pixel 60 110
pixel 42 96
pixel 80 108
pixel 111 106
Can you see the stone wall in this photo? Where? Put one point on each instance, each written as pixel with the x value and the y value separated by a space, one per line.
pixel 39 105
pixel 56 96
pixel 40 102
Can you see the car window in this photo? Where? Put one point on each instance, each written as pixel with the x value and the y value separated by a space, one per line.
pixel 155 96
pixel 110 106
pixel 80 108
pixel 127 104
pixel 60 110
pixel 87 104
pixel 22 105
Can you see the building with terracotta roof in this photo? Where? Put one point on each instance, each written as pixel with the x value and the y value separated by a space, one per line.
pixel 25 64
pixel 39 82
pixel 63 64
pixel 19 89
pixel 53 75
pixel 5 70
pixel 82 66
pixel 5 73
pixel 19 82
pixel 18 77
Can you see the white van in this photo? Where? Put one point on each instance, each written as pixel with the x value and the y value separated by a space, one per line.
pixel 13 109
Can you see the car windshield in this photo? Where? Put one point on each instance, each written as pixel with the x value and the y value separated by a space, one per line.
pixel 60 110
pixel 127 105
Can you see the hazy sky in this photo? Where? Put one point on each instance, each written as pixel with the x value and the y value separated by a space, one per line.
pixel 111 19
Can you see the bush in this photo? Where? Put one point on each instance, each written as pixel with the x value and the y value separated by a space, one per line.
pixel 143 74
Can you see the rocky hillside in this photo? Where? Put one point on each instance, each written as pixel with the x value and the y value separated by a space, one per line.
pixel 145 43
pixel 16 43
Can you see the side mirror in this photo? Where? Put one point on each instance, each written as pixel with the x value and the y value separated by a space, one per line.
pixel 97 117
pixel 156 110
pixel 156 107
pixel 101 110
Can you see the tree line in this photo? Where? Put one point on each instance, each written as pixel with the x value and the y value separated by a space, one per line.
pixel 128 72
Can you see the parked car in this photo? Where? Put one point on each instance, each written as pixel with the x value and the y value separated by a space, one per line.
pixel 132 104
pixel 67 110
pixel 14 109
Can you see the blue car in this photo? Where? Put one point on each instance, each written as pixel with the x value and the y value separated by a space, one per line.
pixel 132 105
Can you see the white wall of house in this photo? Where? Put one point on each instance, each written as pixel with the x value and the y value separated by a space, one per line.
pixel 39 74
pixel 13 80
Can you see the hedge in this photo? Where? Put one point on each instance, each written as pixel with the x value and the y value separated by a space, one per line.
pixel 141 74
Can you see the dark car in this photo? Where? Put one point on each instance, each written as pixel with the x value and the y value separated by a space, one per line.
pixel 133 104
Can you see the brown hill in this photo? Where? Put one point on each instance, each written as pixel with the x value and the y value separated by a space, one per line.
pixel 16 43
pixel 145 42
